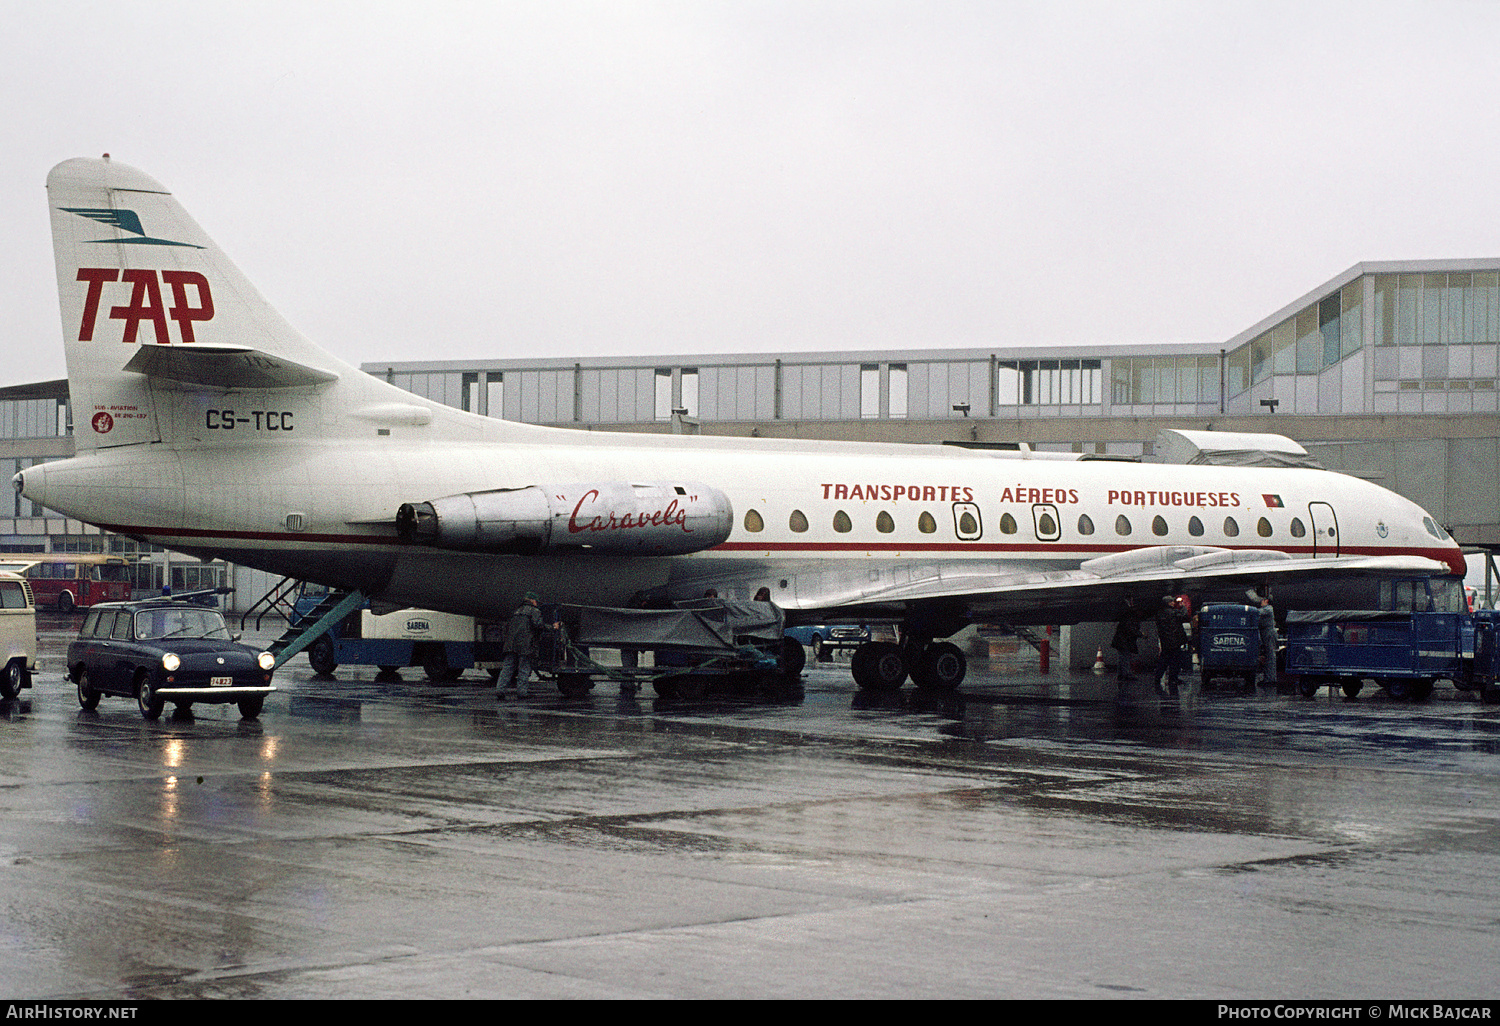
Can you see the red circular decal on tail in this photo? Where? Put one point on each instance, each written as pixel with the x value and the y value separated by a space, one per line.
pixel 103 422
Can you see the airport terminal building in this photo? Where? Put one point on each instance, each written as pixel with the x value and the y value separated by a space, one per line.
pixel 1389 372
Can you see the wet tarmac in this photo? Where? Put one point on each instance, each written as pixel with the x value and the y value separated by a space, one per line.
pixel 1032 837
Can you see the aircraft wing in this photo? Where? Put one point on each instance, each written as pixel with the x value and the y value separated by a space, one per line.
pixel 1021 593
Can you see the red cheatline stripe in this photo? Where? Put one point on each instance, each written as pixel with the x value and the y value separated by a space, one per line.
pixel 1059 549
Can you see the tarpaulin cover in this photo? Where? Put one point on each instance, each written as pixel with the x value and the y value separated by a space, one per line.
pixel 1336 615
pixel 717 626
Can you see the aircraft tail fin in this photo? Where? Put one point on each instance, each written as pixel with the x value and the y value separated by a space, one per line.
pixel 152 310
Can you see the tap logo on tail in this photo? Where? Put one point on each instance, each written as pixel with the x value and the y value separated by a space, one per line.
pixel 126 221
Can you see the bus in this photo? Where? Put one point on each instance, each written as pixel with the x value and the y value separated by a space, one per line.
pixel 71 580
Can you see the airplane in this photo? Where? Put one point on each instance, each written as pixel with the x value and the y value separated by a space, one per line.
pixel 207 424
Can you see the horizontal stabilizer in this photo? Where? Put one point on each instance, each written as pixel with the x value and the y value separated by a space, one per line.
pixel 221 366
pixel 224 367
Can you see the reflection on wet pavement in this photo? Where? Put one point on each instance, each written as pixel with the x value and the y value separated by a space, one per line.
pixel 1028 837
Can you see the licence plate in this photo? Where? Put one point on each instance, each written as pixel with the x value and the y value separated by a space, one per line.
pixel 220 682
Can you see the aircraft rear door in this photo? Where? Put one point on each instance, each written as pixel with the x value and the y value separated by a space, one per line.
pixel 1325 530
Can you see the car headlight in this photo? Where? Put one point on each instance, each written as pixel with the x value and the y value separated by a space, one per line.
pixel 266 660
pixel 170 662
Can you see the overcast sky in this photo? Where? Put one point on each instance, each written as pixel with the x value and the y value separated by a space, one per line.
pixel 417 181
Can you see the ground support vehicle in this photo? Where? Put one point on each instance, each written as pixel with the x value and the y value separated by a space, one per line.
pixel 1229 643
pixel 18 642
pixel 826 639
pixel 1403 652
pixel 160 650
pixel 444 645
pixel 699 644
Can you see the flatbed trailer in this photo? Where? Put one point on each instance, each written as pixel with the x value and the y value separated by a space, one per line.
pixel 692 647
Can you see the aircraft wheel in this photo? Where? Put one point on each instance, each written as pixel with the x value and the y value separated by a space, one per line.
pixel 1352 689
pixel 250 706
pixel 821 653
pixel 323 656
pixel 14 679
pixel 147 700
pixel 574 685
pixel 940 667
pixel 688 687
pixel 793 658
pixel 878 666
pixel 435 664
pixel 88 698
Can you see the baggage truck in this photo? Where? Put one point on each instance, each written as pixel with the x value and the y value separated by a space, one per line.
pixel 1229 643
pixel 1424 634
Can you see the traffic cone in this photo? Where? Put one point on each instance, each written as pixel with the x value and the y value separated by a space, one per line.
pixel 1099 660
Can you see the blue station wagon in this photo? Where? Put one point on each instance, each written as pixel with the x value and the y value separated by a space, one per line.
pixel 160 651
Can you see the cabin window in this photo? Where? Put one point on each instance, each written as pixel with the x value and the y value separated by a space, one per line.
pixel 1085 525
pixel 753 522
pixel 1046 527
pixel 797 521
pixel 927 523
pixel 1231 528
pixel 841 522
pixel 968 527
pixel 1159 527
pixel 1263 528
pixel 1122 525
pixel 1007 524
pixel 1195 527
pixel 884 524
pixel 1297 529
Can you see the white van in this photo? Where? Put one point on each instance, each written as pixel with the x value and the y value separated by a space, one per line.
pixel 17 634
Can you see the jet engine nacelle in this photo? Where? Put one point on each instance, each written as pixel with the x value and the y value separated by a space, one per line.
pixel 654 518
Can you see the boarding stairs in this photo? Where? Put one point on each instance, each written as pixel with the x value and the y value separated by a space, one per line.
pixel 307 628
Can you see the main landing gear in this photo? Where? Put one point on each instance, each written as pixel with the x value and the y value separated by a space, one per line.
pixel 932 665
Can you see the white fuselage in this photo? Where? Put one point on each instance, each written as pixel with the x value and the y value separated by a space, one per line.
pixel 798 510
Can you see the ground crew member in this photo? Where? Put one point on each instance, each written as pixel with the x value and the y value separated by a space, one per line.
pixel 520 649
pixel 1171 633
pixel 1261 600
pixel 1126 638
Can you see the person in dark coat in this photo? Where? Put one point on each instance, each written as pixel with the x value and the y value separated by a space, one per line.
pixel 520 648
pixel 1171 634
pixel 1127 636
